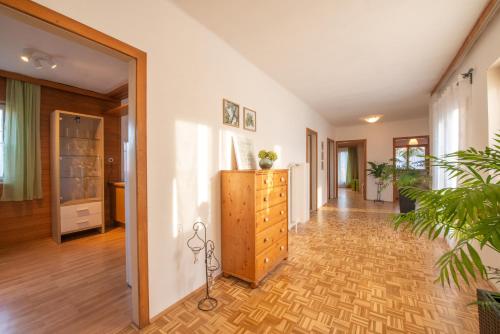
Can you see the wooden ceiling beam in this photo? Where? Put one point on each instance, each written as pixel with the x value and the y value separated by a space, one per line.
pixel 119 93
pixel 118 111
pixel 479 26
pixel 56 85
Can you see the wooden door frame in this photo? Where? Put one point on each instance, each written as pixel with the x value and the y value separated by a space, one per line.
pixel 341 143
pixel 308 132
pixel 395 194
pixel 328 167
pixel 58 20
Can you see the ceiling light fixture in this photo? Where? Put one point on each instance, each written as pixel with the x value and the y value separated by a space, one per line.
pixel 372 118
pixel 51 63
pixel 37 63
pixel 26 55
pixel 38 58
pixel 413 141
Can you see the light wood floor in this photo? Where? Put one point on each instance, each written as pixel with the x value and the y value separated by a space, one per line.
pixel 76 287
pixel 348 272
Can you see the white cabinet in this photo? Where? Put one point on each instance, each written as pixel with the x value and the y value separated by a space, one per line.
pixel 77 149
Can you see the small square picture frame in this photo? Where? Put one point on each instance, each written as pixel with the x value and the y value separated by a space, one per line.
pixel 230 113
pixel 249 119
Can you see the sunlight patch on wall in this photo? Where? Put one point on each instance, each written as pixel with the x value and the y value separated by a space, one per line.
pixel 175 208
pixel 193 170
pixel 202 163
pixel 225 149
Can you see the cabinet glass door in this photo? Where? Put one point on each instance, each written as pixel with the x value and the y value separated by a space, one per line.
pixel 80 160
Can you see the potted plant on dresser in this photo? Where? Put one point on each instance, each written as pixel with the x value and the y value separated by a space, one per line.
pixel 267 158
pixel 470 215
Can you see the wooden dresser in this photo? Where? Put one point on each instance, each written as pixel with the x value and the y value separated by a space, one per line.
pixel 254 222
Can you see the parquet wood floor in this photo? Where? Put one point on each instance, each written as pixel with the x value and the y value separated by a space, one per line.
pixel 348 272
pixel 76 287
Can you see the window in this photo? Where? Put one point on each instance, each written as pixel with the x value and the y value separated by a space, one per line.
pixel 2 109
pixel 343 167
pixel 411 157
pixel 410 153
pixel 448 142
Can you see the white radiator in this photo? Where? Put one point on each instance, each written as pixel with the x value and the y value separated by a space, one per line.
pixel 299 194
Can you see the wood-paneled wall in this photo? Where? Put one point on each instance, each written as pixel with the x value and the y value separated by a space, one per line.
pixel 30 220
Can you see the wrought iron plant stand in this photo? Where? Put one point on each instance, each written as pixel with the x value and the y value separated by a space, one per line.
pixel 196 243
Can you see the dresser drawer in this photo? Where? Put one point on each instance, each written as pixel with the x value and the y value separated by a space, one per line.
pixel 267 198
pixel 81 223
pixel 264 181
pixel 265 262
pixel 282 248
pixel 270 236
pixel 280 179
pixel 270 216
pixel 80 210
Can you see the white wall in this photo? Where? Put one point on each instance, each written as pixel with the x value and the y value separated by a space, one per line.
pixel 379 143
pixel 485 52
pixel 482 121
pixel 190 71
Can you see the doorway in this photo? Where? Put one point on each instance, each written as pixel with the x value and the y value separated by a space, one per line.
pixel 351 172
pixel 330 165
pixel 135 197
pixel 312 160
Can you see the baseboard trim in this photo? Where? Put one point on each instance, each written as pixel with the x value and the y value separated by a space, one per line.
pixel 182 300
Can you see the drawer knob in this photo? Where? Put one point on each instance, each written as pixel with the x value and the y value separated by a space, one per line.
pixel 265 199
pixel 266 260
pixel 266 219
pixel 265 181
pixel 282 247
pixel 282 230
pixel 282 179
pixel 282 194
pixel 266 239
pixel 282 212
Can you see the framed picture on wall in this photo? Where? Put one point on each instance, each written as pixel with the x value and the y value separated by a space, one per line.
pixel 249 119
pixel 230 113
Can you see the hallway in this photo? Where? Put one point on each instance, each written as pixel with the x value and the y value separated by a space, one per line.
pixel 349 200
pixel 348 272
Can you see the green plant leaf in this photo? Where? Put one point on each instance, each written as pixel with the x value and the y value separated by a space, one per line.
pixel 467 263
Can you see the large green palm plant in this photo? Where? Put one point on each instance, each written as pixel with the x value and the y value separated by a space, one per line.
pixel 469 213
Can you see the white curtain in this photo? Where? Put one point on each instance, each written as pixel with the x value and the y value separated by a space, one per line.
pixel 343 166
pixel 448 117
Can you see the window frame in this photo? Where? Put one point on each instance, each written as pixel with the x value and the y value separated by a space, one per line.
pixel 395 146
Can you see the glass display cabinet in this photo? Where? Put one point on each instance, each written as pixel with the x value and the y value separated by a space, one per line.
pixel 77 149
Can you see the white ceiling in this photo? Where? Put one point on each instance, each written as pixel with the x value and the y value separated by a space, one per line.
pixel 80 63
pixel 346 58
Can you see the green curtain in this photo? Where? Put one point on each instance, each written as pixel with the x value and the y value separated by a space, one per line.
pixel 352 165
pixel 22 165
